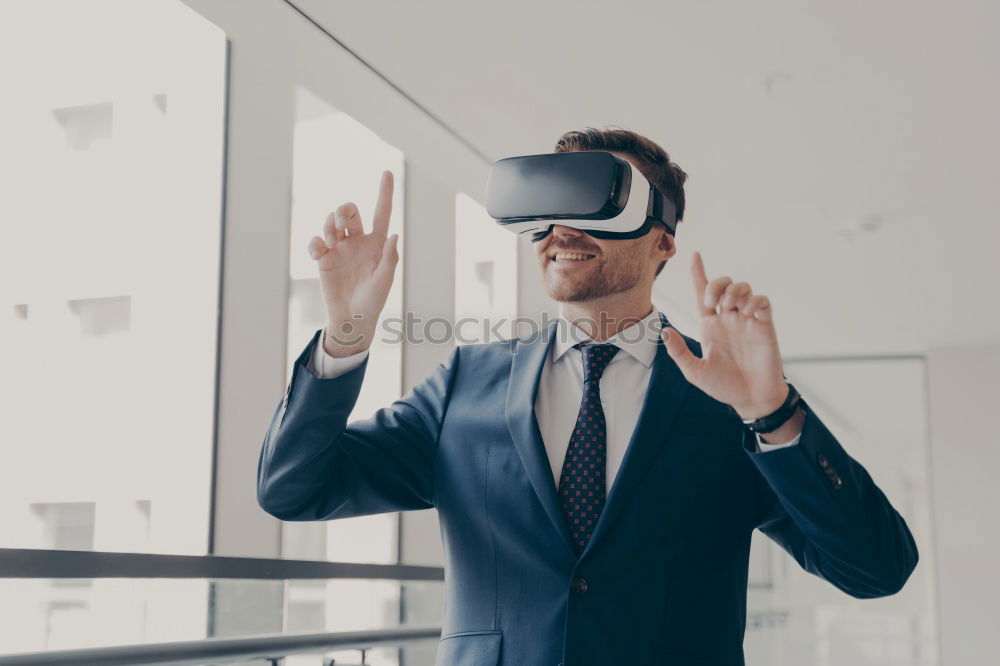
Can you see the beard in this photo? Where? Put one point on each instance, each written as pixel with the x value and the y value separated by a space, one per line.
pixel 619 274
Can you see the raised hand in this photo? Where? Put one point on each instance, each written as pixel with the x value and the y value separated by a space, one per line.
pixel 740 363
pixel 355 272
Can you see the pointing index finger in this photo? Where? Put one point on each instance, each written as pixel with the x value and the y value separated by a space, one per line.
pixel 383 207
pixel 700 281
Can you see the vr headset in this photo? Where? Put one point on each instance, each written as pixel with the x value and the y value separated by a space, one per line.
pixel 594 191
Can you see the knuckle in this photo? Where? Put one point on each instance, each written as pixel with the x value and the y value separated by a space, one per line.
pixel 719 283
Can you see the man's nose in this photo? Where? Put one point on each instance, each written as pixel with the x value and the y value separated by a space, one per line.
pixel 562 231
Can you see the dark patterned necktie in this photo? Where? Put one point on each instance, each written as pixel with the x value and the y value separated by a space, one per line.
pixel 581 486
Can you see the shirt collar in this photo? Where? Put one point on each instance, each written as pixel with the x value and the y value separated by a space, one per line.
pixel 639 340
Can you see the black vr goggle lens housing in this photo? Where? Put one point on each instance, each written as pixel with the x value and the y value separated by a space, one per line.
pixel 594 191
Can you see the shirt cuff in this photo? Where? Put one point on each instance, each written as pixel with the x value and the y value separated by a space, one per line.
pixel 324 366
pixel 764 447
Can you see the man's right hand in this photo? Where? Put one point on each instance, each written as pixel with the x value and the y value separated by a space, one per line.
pixel 355 272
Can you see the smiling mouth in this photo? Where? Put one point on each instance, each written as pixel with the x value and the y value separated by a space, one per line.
pixel 566 257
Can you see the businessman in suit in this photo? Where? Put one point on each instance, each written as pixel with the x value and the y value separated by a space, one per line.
pixel 596 485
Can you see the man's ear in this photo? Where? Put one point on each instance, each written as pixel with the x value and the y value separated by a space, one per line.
pixel 665 242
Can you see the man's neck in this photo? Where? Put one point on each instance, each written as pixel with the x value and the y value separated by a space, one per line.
pixel 604 317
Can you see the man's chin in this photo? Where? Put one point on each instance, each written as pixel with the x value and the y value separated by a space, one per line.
pixel 584 283
pixel 568 292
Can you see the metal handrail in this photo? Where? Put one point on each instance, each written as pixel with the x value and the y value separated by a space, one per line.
pixel 209 650
pixel 39 563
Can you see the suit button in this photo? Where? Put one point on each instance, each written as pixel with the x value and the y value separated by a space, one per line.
pixel 821 459
pixel 579 586
pixel 837 483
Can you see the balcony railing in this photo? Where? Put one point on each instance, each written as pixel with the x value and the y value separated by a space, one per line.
pixel 32 563
pixel 17 563
pixel 213 650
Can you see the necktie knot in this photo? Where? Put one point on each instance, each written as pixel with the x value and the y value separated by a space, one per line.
pixel 595 359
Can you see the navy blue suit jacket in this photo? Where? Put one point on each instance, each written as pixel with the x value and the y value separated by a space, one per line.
pixel 663 579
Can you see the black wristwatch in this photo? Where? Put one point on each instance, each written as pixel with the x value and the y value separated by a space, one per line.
pixel 778 417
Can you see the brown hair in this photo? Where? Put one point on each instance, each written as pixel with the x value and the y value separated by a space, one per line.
pixel 653 162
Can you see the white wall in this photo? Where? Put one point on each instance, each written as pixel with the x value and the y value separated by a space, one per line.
pixel 965 457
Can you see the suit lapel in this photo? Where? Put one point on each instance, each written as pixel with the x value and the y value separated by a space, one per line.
pixel 666 392
pixel 530 355
pixel 667 388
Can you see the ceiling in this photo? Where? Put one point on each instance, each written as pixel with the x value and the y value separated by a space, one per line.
pixel 840 155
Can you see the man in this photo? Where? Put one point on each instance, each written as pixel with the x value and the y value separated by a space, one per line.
pixel 596 501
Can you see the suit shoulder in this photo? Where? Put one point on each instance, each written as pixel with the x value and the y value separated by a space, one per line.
pixel 486 351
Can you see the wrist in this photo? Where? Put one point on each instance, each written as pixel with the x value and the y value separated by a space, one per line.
pixel 760 410
pixel 788 430
pixel 341 339
pixel 779 417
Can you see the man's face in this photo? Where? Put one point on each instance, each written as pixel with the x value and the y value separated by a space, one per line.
pixel 578 267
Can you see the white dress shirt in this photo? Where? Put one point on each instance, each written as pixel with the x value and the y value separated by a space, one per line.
pixel 560 389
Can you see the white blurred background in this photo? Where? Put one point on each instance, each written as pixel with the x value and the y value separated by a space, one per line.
pixel 165 162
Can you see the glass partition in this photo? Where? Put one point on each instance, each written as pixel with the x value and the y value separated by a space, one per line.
pixel 337 160
pixel 877 410
pixel 112 164
pixel 112 167
pixel 104 612
pixel 485 274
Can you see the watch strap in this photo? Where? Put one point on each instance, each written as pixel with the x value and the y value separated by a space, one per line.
pixel 778 417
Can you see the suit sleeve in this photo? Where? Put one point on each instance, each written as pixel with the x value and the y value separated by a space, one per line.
pixel 324 366
pixel 314 466
pixel 821 506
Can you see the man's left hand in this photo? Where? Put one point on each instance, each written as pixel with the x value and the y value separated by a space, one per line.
pixel 740 363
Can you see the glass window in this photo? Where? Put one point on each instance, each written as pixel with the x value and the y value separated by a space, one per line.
pixel 113 152
pixel 877 410
pixel 485 274
pixel 112 163
pixel 69 613
pixel 134 611
pixel 337 160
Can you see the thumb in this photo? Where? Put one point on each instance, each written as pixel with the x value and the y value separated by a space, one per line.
pixel 679 352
